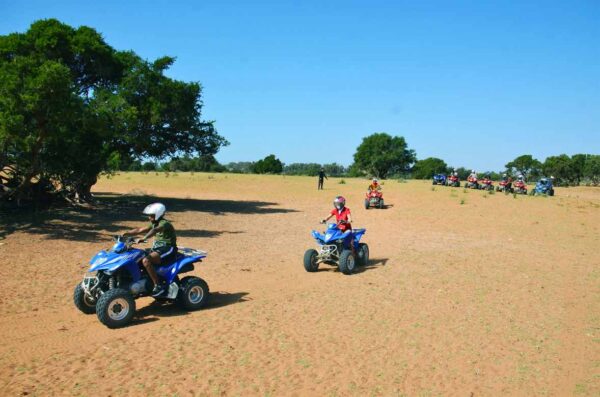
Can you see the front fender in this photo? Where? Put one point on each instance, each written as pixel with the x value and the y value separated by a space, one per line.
pixel 110 262
pixel 318 236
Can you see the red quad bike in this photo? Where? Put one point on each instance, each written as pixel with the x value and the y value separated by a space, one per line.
pixel 519 187
pixel 453 181
pixel 472 183
pixel 505 186
pixel 374 198
pixel 486 184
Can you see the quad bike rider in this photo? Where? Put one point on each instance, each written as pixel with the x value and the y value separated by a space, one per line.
pixel 374 196
pixel 340 244
pixel 472 182
pixel 342 214
pixel 520 186
pixel 487 183
pixel 505 184
pixel 164 249
pixel 453 179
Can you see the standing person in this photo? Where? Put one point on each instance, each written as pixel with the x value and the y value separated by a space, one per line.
pixel 321 176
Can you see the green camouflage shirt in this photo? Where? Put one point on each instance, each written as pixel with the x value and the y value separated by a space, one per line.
pixel 167 237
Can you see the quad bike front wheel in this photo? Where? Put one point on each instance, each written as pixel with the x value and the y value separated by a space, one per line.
pixel 84 302
pixel 347 263
pixel 380 205
pixel 310 261
pixel 363 254
pixel 193 293
pixel 115 308
pixel 367 203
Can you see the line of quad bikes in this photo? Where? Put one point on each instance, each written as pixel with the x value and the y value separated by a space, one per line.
pixel 116 278
pixel 543 187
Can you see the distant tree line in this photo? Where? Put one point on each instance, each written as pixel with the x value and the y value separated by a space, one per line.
pixel 384 156
pixel 379 155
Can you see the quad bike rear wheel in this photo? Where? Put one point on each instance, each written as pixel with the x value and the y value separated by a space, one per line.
pixel 193 293
pixel 347 263
pixel 310 261
pixel 115 308
pixel 83 302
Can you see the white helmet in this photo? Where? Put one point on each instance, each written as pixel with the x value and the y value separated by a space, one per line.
pixel 473 171
pixel 375 180
pixel 156 209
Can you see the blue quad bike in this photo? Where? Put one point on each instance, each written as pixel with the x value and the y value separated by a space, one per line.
pixel 439 179
pixel 543 187
pixel 117 278
pixel 334 250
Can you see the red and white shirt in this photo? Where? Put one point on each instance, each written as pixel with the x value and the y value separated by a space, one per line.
pixel 342 215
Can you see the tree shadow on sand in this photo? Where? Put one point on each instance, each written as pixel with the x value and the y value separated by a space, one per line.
pixel 110 211
pixel 169 309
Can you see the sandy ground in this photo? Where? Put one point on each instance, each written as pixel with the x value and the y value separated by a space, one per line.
pixel 467 294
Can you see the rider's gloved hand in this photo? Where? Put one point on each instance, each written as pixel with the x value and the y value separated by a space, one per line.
pixel 322 221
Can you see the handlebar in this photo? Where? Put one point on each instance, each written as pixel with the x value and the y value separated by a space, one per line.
pixel 341 222
pixel 127 240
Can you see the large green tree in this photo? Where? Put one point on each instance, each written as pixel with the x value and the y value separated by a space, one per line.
pixel 71 107
pixel 525 165
pixel 381 155
pixel 268 165
pixel 427 168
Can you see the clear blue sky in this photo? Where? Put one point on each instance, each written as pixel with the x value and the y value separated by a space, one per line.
pixel 475 83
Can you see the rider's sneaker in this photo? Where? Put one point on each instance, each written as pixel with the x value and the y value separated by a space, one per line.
pixel 158 290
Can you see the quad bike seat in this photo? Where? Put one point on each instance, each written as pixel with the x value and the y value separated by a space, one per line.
pixel 182 254
pixel 165 269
